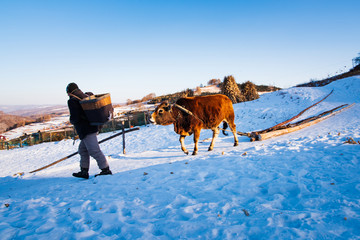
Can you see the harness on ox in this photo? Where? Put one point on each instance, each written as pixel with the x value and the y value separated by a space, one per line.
pixel 187 111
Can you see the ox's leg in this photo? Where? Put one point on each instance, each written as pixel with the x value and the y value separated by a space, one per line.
pixel 215 135
pixel 233 130
pixel 196 140
pixel 182 142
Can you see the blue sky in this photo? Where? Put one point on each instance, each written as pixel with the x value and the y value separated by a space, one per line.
pixel 133 48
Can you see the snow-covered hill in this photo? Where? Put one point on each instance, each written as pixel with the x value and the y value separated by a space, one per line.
pixel 304 185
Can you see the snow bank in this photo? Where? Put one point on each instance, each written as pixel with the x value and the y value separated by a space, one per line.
pixel 304 185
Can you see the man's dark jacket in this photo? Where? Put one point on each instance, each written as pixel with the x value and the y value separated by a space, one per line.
pixel 78 117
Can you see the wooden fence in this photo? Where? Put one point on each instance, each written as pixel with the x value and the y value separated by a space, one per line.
pixel 38 137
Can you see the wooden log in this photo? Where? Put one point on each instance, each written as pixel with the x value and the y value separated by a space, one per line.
pixel 293 118
pixel 272 134
pixel 315 117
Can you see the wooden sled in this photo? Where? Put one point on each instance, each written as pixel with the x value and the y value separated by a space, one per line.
pixel 289 128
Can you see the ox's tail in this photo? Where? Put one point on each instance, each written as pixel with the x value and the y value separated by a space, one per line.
pixel 225 126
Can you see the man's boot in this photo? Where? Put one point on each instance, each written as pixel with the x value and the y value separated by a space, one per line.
pixel 104 171
pixel 84 173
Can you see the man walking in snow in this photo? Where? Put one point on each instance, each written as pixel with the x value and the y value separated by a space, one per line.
pixel 89 145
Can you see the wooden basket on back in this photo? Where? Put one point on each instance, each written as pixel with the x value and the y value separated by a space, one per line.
pixel 98 108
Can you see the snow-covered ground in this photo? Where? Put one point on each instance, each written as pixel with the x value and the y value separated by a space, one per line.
pixel 304 185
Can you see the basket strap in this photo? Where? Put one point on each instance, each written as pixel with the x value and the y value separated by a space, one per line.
pixel 70 94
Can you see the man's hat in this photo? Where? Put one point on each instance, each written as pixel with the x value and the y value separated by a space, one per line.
pixel 71 87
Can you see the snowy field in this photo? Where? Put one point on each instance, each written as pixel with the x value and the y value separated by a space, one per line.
pixel 304 185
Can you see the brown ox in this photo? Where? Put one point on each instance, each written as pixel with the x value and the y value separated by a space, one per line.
pixel 190 115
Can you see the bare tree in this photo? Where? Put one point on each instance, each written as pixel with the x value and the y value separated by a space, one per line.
pixel 129 102
pixel 148 97
pixel 214 81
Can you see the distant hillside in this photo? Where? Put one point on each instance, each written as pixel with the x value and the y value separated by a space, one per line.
pixel 8 121
pixel 352 72
pixel 265 88
pixel 33 110
pixel 16 116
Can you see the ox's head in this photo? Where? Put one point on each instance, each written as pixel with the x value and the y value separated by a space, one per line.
pixel 162 114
